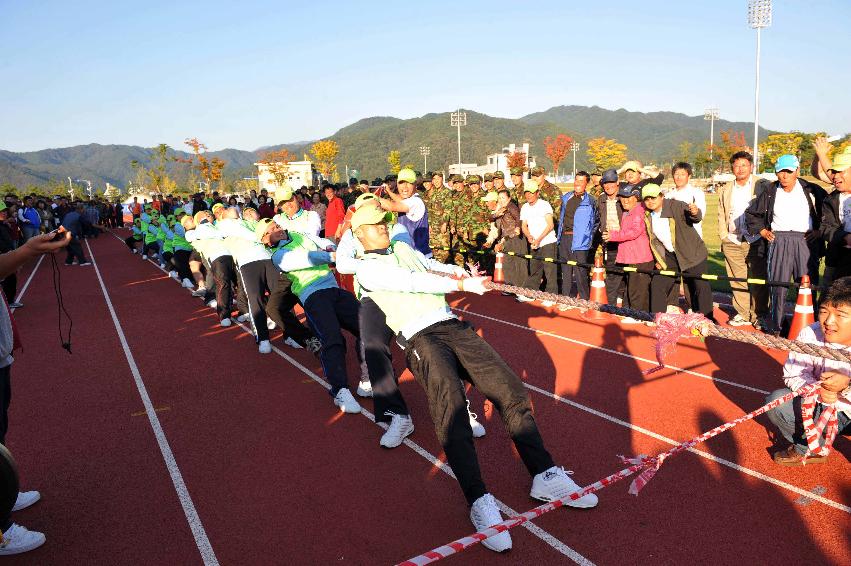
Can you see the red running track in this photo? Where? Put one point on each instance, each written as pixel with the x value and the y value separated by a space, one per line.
pixel 277 475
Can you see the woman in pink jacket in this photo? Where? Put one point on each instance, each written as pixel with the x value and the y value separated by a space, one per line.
pixel 633 249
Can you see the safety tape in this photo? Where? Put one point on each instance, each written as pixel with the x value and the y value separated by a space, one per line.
pixel 648 466
pixel 669 273
pixel 827 425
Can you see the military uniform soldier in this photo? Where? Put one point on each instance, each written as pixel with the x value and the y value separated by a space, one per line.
pixel 457 205
pixel 548 191
pixel 488 185
pixel 517 181
pixel 437 200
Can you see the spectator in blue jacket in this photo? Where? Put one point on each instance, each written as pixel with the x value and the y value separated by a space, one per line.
pixel 577 225
pixel 72 221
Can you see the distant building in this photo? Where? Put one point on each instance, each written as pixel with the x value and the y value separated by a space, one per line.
pixel 495 162
pixel 298 174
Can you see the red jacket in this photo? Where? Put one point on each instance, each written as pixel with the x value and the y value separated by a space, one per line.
pixel 334 216
pixel 634 246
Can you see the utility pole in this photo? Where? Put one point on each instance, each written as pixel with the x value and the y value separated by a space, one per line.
pixel 574 147
pixel 711 114
pixel 425 151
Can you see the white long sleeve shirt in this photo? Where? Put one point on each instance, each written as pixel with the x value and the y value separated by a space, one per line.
pixel 801 369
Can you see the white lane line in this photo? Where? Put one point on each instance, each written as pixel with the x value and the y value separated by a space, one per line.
pixel 545 536
pixel 609 350
pixel 198 532
pixel 29 279
pixel 701 453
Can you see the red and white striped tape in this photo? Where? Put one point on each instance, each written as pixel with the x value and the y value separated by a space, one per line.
pixel 647 465
pixel 827 425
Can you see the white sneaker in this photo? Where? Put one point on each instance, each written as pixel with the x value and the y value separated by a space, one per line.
pixel 364 388
pixel 25 499
pixel 547 303
pixel 630 320
pixel 265 347
pixel 173 274
pixel 478 429
pixel 187 284
pixel 85 263
pixel 18 539
pixel 401 426
pixel 484 513
pixel 213 303
pixel 162 265
pixel 243 317
pixel 346 402
pixel 270 324
pixel 134 251
pixel 292 343
pixel 524 299
pixel 144 256
pixel 225 322
pixel 555 483
pixel 199 292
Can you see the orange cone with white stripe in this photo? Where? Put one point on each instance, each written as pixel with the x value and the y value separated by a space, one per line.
pixel 498 276
pixel 804 314
pixel 598 290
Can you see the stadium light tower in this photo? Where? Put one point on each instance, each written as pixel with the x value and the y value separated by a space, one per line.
pixel 425 151
pixel 458 119
pixel 574 147
pixel 711 114
pixel 759 16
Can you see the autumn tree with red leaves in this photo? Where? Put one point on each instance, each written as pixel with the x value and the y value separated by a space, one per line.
pixel 557 149
pixel 277 163
pixel 731 142
pixel 516 159
pixel 209 169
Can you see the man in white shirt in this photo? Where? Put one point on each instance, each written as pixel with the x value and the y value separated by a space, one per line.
pixel 536 220
pixel 740 247
pixel 683 191
pixel 294 218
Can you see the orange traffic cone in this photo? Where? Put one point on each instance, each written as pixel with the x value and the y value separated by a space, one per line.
pixel 498 277
pixel 598 290
pixel 804 314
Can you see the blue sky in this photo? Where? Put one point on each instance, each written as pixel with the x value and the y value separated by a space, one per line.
pixel 248 74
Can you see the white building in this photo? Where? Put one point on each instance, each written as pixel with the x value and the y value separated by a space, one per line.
pixel 298 174
pixel 495 162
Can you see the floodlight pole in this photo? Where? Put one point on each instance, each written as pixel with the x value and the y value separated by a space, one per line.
pixel 573 147
pixel 711 114
pixel 458 119
pixel 425 151
pixel 759 16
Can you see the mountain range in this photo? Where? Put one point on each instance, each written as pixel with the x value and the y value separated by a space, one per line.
pixel 364 145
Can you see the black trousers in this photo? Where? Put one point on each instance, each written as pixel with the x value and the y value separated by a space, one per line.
pixel 701 292
pixel 180 260
pixel 223 273
pixel 74 251
pixel 583 284
pixel 329 312
pixel 5 399
pixel 279 308
pixel 258 277
pixel 514 266
pixel 376 336
pixel 10 289
pixel 443 354
pixel 638 286
pixel 131 242
pixel 547 269
pixel 151 248
pixel 615 282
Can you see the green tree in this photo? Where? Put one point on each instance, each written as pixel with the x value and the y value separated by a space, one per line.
pixel 776 145
pixel 394 158
pixel 606 153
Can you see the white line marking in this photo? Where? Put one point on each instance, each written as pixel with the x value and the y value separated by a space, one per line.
pixel 707 455
pixel 545 536
pixel 201 539
pixel 29 279
pixel 604 349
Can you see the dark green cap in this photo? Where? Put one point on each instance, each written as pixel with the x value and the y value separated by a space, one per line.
pixel 473 180
pixel 488 177
pixel 499 175
pixel 456 178
pixel 517 170
pixel 537 170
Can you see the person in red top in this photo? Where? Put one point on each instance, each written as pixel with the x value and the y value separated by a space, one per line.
pixel 334 215
pixel 136 208
pixel 157 203
pixel 267 208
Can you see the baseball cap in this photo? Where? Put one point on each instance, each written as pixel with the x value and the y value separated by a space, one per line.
pixel 216 206
pixel 178 211
pixel 285 194
pixel 650 190
pixel 530 186
pixel 842 161
pixel 3 206
pixel 199 216
pixel 630 165
pixel 787 162
pixel 456 179
pixel 369 215
pixel 516 170
pixel 492 196
pixel 499 175
pixel 407 176
pixel 609 176
pixel 364 198
pixel 537 170
pixel 473 179
pixel 437 174
pixel 488 177
pixel 629 190
pixel 261 227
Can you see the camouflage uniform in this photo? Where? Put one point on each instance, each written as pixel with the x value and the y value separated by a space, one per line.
pixel 437 204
